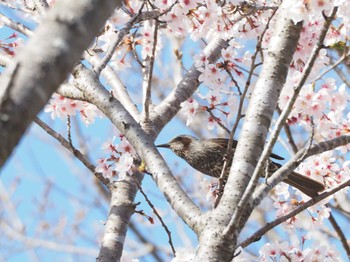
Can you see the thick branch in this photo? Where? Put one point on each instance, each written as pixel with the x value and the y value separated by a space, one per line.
pixel 143 144
pixel 121 209
pixel 43 64
pixel 282 119
pixel 288 108
pixel 258 119
pixel 119 90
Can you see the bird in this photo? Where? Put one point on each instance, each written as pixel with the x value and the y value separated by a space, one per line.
pixel 207 156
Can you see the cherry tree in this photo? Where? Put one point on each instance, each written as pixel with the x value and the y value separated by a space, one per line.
pixel 272 74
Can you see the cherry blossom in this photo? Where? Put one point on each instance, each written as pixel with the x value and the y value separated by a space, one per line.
pixel 125 147
pixel 124 165
pixel 104 168
pixel 189 109
pixel 285 251
pixel 61 107
pixel 120 159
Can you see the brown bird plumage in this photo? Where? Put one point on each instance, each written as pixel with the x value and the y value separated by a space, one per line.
pixel 207 156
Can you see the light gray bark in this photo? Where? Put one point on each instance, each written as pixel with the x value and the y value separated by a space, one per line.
pixel 44 63
pixel 216 244
pixel 121 208
pixel 96 94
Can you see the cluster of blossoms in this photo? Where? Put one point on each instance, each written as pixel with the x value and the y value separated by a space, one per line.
pixel 218 79
pixel 285 251
pixel 119 161
pixel 322 168
pixel 10 44
pixel 61 107
pixel 220 95
pixel 324 106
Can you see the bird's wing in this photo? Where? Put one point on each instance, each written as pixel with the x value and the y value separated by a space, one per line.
pixel 224 141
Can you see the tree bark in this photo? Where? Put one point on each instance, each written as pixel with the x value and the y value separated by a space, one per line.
pixel 44 63
pixel 250 145
pixel 121 209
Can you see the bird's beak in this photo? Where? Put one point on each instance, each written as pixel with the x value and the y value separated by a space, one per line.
pixel 163 145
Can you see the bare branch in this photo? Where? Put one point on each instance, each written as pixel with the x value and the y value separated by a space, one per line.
pixel 70 91
pixel 147 83
pixel 333 66
pixel 66 144
pixel 119 90
pixel 258 234
pixel 258 119
pixel 157 214
pixel 239 114
pixel 15 25
pixel 340 233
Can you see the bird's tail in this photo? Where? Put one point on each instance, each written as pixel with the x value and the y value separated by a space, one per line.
pixel 306 185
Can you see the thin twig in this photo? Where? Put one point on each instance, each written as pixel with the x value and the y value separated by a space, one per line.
pixel 147 100
pixel 217 119
pixel 65 143
pixel 340 233
pixel 342 76
pixel 69 133
pixel 333 66
pixel 289 134
pixel 284 170
pixel 116 41
pixel 157 214
pixel 258 234
pixel 33 242
pixel 232 78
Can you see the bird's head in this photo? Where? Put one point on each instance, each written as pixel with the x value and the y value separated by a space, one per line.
pixel 180 144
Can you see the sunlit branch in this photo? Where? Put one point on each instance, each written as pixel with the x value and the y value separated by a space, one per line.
pixel 258 234
pixel 119 90
pixel 243 96
pixel 286 111
pixel 143 143
pixel 15 25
